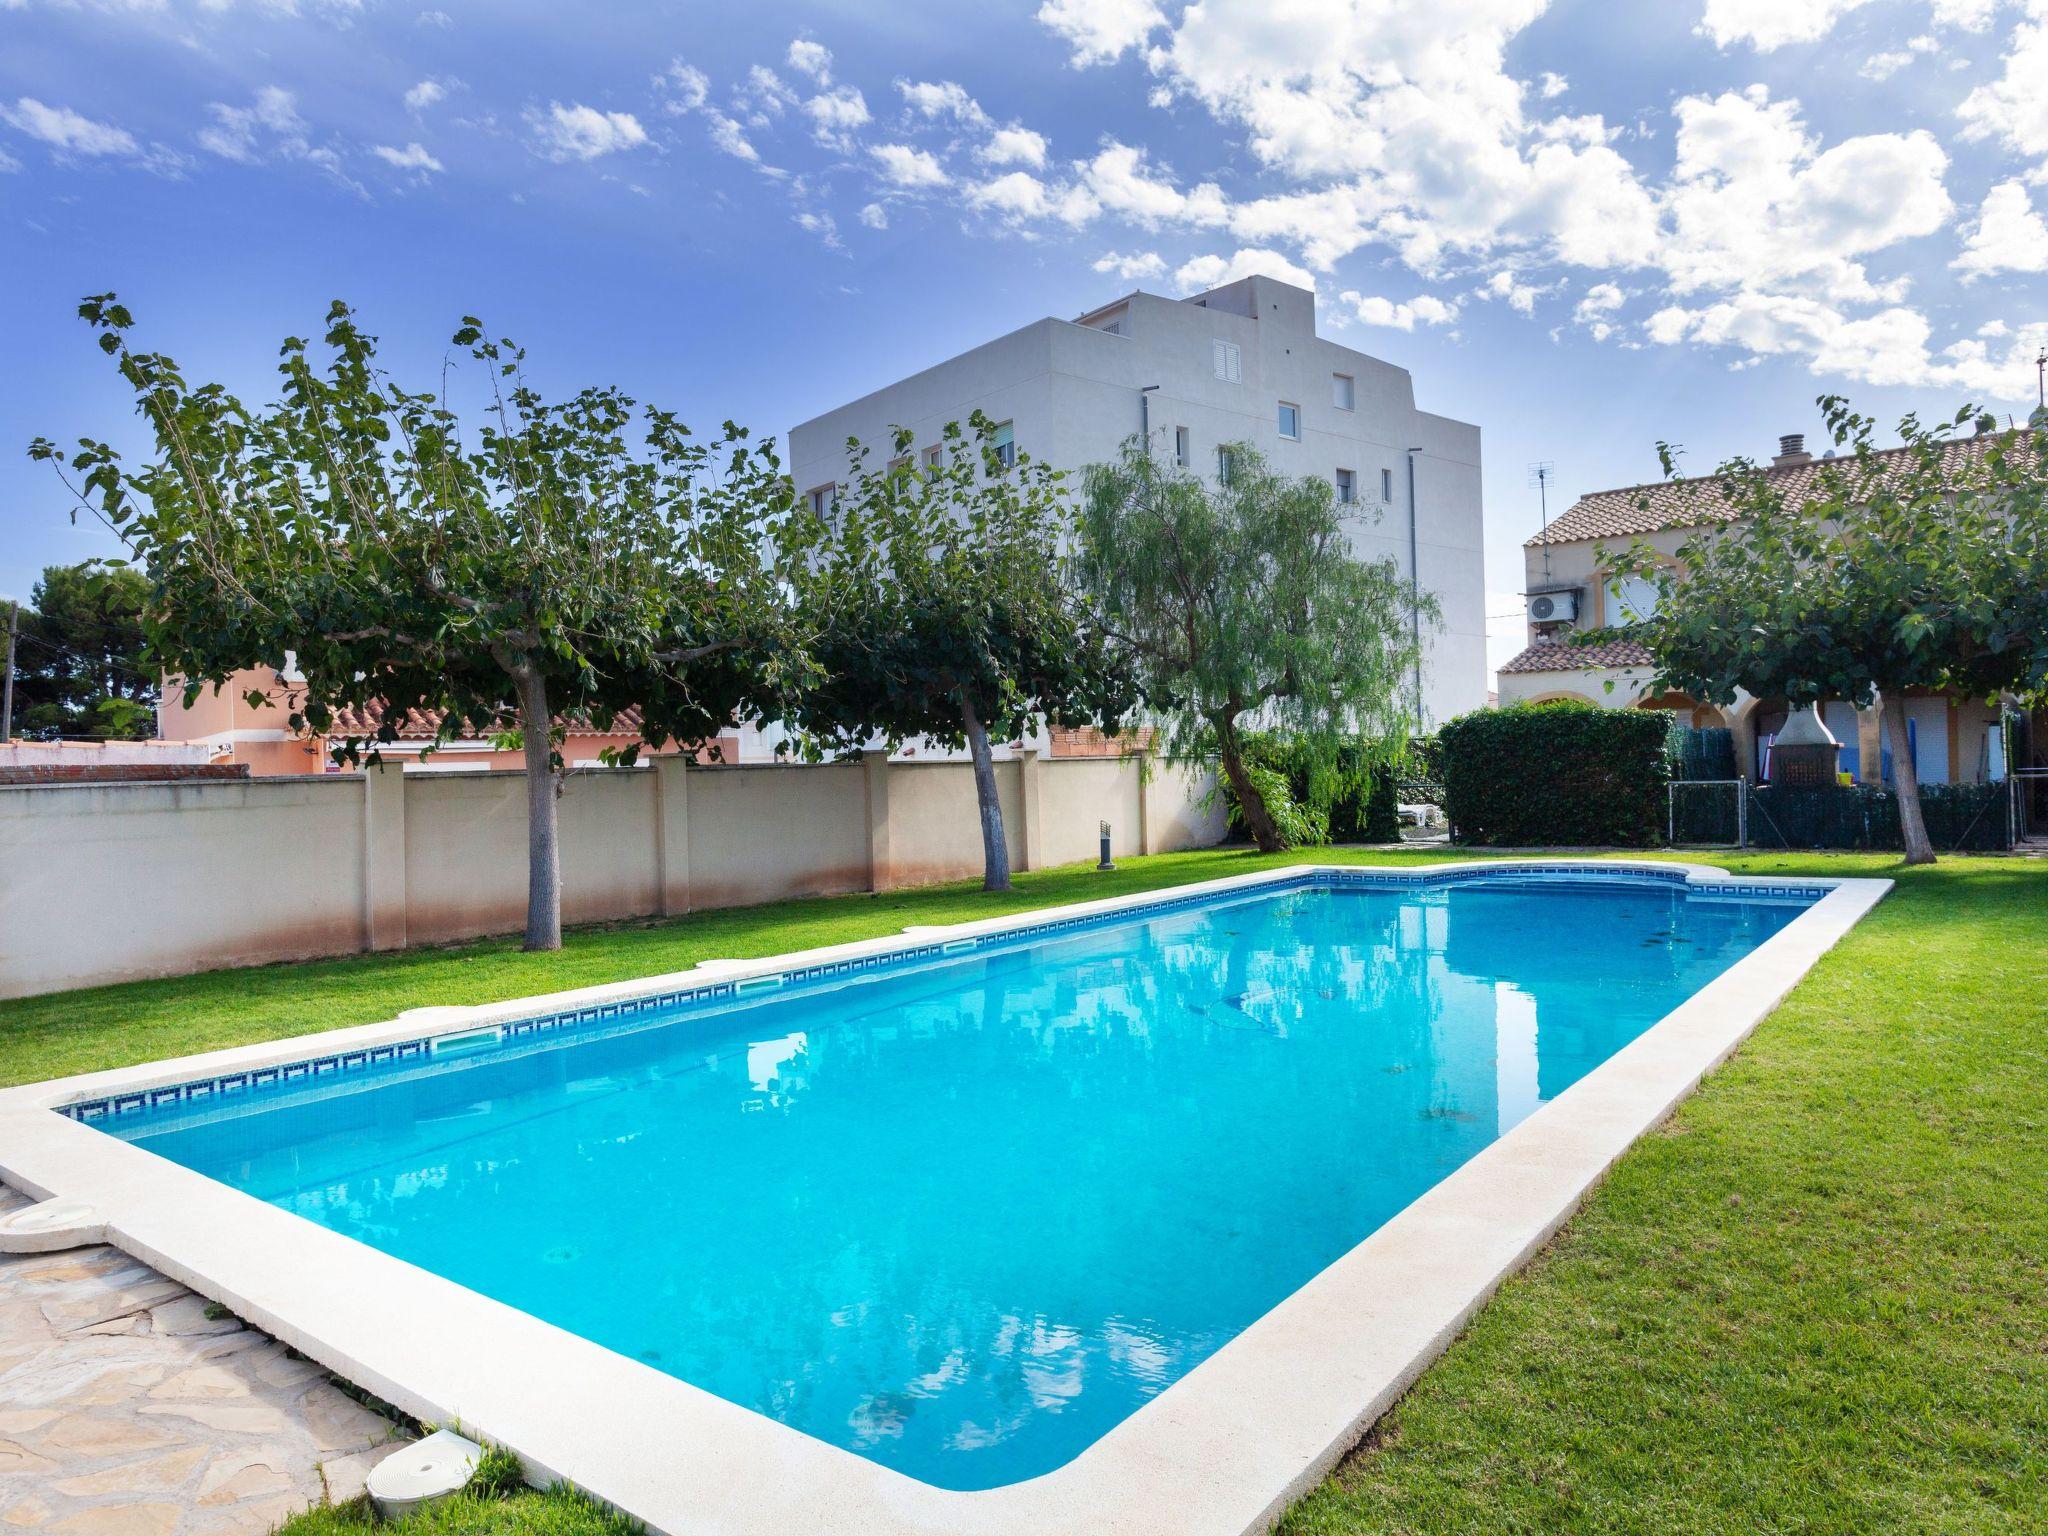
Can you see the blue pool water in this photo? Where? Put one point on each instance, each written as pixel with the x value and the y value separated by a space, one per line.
pixel 962 1216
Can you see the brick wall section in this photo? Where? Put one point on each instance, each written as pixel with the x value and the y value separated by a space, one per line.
pixel 121 773
pixel 1087 741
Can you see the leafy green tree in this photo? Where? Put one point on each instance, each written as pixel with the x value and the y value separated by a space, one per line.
pixel 561 560
pixel 79 667
pixel 941 609
pixel 1926 568
pixel 1242 605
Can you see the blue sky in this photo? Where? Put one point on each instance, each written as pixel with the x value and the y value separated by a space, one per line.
pixel 1585 226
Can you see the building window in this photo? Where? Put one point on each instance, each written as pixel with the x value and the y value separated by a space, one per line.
pixel 1228 360
pixel 1386 485
pixel 900 464
pixel 822 500
pixel 1347 486
pixel 1290 422
pixel 1343 394
pixel 1180 446
pixel 1224 465
pixel 934 459
pixel 1631 599
pixel 1004 445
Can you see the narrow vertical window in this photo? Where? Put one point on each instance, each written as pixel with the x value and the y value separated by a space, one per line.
pixel 1229 362
pixel 1347 486
pixel 1386 485
pixel 1290 421
pixel 934 459
pixel 1223 465
pixel 1343 391
pixel 1180 446
pixel 1004 446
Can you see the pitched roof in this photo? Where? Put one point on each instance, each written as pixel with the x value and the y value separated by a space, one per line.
pixel 1698 501
pixel 425 724
pixel 1565 656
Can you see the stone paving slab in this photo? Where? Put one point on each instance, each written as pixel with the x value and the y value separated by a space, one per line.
pixel 131 1407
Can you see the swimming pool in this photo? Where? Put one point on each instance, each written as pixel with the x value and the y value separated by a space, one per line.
pixel 964 1210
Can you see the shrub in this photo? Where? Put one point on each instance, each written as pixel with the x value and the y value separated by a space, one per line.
pixel 1331 798
pixel 1556 775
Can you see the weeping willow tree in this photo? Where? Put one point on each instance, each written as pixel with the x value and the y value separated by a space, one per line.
pixel 1241 605
pixel 553 561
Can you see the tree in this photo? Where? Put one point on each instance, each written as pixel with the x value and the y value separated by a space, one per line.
pixel 1925 567
pixel 79 669
pixel 941 610
pixel 570 560
pixel 1243 604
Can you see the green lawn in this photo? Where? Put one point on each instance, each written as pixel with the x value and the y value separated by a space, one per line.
pixel 1816 1302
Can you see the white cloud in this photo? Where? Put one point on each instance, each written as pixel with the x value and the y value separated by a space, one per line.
pixel 820 224
pixel 1756 203
pixel 1518 295
pixel 1101 30
pixel 1423 309
pixel 1018 197
pixel 1214 271
pixel 425 94
pixel 687 87
pixel 904 165
pixel 1122 181
pixel 810 58
pixel 1768 24
pixel 2014 108
pixel 875 216
pixel 413 157
pixel 1882 66
pixel 835 114
pixel 763 95
pixel 1014 146
pixel 941 100
pixel 2008 236
pixel 270 128
pixel 577 132
pixel 1550 85
pixel 728 136
pixel 68 132
pixel 1596 309
pixel 1137 265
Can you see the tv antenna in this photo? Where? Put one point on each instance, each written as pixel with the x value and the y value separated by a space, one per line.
pixel 1541 473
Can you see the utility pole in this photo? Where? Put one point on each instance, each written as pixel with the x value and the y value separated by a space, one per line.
pixel 7 688
pixel 2041 378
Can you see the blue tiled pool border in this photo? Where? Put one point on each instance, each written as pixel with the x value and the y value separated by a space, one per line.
pixel 422 1049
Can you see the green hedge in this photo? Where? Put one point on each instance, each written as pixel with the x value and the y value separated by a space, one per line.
pixel 1961 818
pixel 1341 798
pixel 1558 775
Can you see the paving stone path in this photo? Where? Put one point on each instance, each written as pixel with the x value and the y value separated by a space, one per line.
pixel 130 1407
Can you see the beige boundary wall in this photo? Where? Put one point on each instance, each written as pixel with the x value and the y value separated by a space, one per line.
pixel 109 882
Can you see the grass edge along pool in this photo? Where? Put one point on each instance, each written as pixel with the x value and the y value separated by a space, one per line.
pixel 1301 1132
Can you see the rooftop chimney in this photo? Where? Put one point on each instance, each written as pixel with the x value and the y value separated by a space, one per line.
pixel 1791 450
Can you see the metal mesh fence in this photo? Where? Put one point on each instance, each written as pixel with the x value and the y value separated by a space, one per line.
pixel 1708 813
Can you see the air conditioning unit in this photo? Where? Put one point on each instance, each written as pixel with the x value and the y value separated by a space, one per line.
pixel 1553 607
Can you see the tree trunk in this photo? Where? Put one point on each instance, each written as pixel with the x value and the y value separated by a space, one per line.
pixel 1250 803
pixel 1906 781
pixel 995 846
pixel 543 786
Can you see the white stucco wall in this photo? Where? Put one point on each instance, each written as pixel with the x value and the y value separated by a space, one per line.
pixel 109 882
pixel 1073 395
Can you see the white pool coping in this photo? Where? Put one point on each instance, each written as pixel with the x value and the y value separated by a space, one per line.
pixel 1222 1452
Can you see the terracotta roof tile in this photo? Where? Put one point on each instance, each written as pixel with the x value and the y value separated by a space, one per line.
pixel 424 724
pixel 1567 656
pixel 1697 502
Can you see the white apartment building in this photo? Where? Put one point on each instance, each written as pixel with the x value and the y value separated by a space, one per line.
pixel 1241 363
